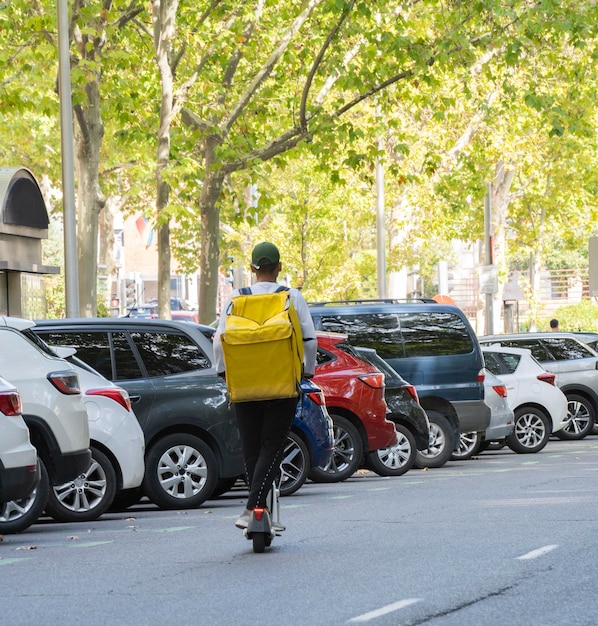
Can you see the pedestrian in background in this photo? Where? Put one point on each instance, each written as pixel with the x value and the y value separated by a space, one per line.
pixel 554 325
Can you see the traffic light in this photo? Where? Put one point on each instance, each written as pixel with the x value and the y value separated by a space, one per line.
pixel 130 292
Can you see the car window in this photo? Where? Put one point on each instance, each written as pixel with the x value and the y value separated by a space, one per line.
pixel 126 366
pixel 434 334
pixel 164 353
pixel 565 349
pixel 323 357
pixel 92 347
pixel 380 331
pixel 493 363
pixel 538 350
pixel 501 363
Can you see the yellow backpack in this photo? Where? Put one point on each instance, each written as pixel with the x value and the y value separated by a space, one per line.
pixel 263 346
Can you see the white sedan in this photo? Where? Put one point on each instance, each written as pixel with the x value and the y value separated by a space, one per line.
pixel 539 406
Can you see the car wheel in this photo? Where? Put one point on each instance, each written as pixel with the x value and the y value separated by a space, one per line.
pixel 397 460
pixel 86 497
pixel 346 455
pixel 581 418
pixel 469 445
pixel 180 472
pixel 294 466
pixel 531 432
pixel 441 442
pixel 17 515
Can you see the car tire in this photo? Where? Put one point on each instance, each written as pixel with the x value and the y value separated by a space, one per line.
pixel 531 432
pixel 469 445
pixel 442 442
pixel 86 497
pixel 346 455
pixel 294 466
pixel 397 460
pixel 180 472
pixel 582 418
pixel 17 515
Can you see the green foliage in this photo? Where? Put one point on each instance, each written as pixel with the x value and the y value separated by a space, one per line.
pixel 582 316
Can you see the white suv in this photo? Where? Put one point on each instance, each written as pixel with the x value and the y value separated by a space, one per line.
pixel 18 458
pixel 54 412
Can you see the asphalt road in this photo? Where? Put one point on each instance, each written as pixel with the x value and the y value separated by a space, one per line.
pixel 501 539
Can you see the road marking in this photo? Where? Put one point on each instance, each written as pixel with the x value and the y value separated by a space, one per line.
pixel 534 554
pixel 173 529
pixel 88 544
pixel 385 610
pixel 10 561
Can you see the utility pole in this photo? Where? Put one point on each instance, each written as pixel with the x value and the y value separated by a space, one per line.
pixel 489 283
pixel 380 224
pixel 71 267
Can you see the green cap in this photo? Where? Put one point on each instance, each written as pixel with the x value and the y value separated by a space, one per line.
pixel 264 253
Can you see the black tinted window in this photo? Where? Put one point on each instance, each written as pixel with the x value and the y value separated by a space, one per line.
pixel 380 331
pixel 564 349
pixel 125 362
pixel 92 348
pixel 434 334
pixel 165 353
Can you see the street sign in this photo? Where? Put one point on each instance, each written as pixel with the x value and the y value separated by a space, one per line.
pixel 488 279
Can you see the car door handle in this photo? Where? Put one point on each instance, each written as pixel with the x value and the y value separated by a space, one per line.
pixel 134 398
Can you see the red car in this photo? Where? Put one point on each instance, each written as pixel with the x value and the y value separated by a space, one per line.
pixel 354 392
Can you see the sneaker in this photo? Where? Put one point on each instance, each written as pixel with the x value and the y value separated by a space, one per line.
pixel 243 520
pixel 278 527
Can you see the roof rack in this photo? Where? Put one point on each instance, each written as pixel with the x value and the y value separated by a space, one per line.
pixel 376 301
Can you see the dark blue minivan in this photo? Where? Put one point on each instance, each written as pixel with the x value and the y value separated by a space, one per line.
pixel 432 346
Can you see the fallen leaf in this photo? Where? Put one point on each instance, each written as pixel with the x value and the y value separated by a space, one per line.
pixel 27 548
pixel 207 512
pixel 130 519
pixel 73 537
pixel 135 528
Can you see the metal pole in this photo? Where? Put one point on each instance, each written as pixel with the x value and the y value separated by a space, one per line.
pixel 488 257
pixel 380 225
pixel 71 270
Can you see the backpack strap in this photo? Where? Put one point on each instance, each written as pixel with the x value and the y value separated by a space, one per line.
pixel 282 288
pixel 245 291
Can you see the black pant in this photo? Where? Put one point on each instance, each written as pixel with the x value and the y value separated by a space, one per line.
pixel 264 426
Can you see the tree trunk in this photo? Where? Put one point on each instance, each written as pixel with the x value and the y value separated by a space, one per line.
pixel 209 256
pixel 89 132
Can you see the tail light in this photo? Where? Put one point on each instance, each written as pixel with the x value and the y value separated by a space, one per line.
pixel 117 394
pixel 481 376
pixel 375 380
pixel 11 403
pixel 317 397
pixel 547 377
pixel 66 382
pixel 412 392
pixel 501 390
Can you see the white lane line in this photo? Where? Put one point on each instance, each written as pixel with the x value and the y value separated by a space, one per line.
pixel 534 554
pixel 389 608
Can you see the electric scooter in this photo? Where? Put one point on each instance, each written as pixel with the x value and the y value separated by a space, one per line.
pixel 260 529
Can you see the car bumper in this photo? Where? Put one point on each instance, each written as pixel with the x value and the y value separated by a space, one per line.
pixel 18 482
pixel 127 444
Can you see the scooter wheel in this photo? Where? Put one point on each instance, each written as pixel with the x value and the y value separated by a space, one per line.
pixel 259 542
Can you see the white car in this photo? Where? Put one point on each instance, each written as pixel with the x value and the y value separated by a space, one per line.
pixel 117 448
pixel 539 406
pixel 501 419
pixel 19 472
pixel 54 412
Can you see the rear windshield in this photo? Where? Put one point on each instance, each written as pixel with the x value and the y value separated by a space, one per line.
pixel 398 335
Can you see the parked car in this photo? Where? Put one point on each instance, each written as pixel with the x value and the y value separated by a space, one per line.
pixel 590 339
pixel 19 470
pixel 575 366
pixel 431 345
pixel 354 392
pixel 54 412
pixel 193 449
pixel 539 406
pixel 411 422
pixel 501 420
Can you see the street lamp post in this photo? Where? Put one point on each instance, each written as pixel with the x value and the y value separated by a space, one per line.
pixel 71 271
